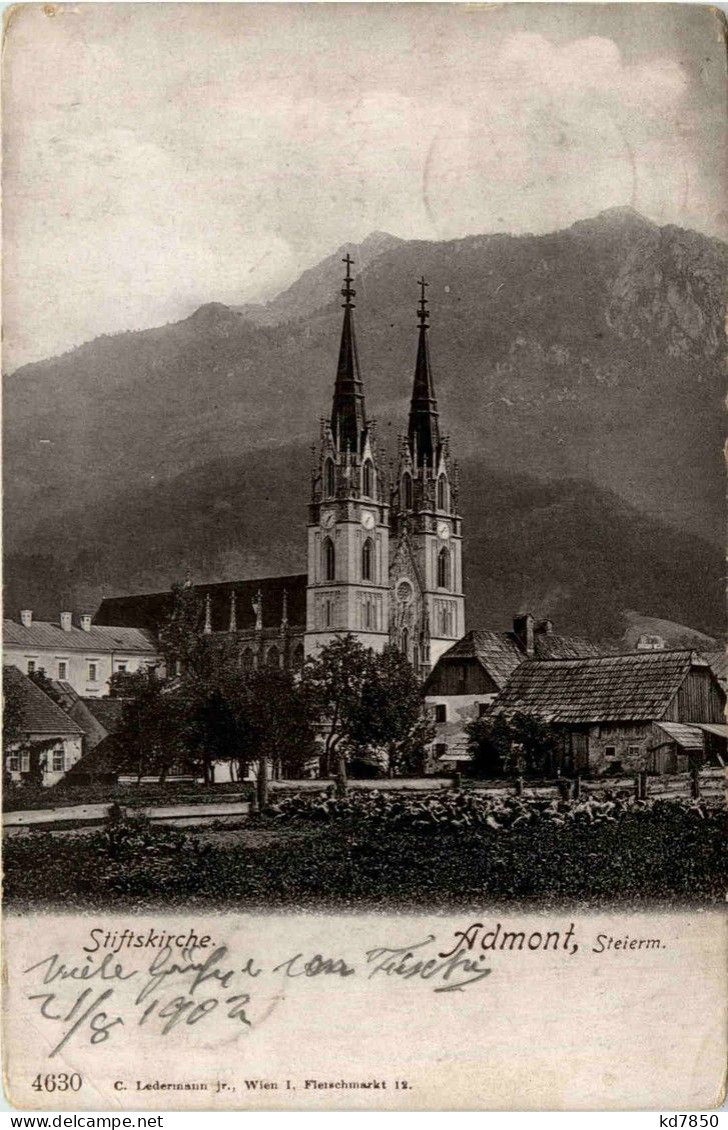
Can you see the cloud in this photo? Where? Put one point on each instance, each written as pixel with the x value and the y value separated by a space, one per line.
pixel 555 133
pixel 192 153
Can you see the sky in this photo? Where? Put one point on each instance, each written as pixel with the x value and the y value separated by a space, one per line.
pixel 160 156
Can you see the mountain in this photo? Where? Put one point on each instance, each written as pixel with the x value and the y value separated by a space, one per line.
pixel 580 375
pixel 313 289
pixel 674 635
pixel 563 549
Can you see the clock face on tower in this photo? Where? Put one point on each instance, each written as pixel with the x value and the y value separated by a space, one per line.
pixel 368 520
pixel 328 520
pixel 443 531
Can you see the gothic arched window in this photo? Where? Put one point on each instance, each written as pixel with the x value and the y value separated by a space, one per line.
pixel 443 569
pixel 367 479
pixel 407 490
pixel 273 658
pixel 330 478
pixel 246 659
pixel 442 493
pixel 405 642
pixel 329 560
pixel 298 657
pixel 367 561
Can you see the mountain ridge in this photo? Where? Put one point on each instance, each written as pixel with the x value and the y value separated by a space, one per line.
pixel 591 355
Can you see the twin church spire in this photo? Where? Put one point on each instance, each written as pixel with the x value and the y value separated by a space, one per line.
pixel 424 428
pixel 384 559
pixel 348 415
pixel 348 412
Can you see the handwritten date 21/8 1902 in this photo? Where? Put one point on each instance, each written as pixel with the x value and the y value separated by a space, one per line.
pixel 89 1000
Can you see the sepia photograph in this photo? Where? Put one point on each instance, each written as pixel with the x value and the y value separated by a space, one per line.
pixel 364 507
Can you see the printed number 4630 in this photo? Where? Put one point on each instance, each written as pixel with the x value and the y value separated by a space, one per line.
pixel 58 1082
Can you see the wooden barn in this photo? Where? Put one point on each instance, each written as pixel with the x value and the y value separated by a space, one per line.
pixel 659 711
pixel 468 677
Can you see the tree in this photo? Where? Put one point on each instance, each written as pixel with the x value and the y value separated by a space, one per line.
pixel 211 729
pixel 12 718
pixel 334 682
pixel 181 641
pixel 12 709
pixel 511 745
pixel 128 684
pixel 150 736
pixel 261 716
pixel 390 713
pixel 274 715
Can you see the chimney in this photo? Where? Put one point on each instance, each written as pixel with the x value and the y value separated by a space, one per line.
pixel 523 630
pixel 85 622
pixel 26 617
pixel 545 627
pixel 66 621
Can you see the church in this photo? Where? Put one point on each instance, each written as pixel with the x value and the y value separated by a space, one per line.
pixel 384 557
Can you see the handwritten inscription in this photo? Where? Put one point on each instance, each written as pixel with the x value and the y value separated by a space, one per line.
pixel 89 1000
pixel 125 980
pixel 407 962
pixel 168 992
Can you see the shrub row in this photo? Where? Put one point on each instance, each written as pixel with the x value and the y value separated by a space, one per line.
pixel 467 810
pixel 666 851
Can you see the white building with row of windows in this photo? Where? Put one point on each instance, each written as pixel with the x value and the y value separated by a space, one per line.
pixel 82 654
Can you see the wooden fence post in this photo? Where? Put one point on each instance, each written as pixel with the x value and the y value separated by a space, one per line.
pixel 262 783
pixel 577 787
pixel 519 786
pixel 643 785
pixel 695 782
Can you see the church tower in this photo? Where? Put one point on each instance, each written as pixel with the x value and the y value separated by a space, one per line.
pixel 426 568
pixel 348 527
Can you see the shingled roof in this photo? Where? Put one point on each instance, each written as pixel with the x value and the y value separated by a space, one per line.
pixel 150 610
pixel 38 713
pixel 549 646
pixel 497 652
pixel 500 653
pixel 107 711
pixel 609 688
pixel 45 634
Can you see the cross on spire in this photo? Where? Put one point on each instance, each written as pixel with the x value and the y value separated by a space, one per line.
pixel 347 291
pixel 422 311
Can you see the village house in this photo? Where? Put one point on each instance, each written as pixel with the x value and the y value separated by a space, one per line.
pixel 84 655
pixel 49 742
pixel 467 678
pixel 658 711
